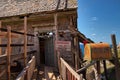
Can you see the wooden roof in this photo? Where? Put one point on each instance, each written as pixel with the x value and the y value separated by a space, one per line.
pixel 19 7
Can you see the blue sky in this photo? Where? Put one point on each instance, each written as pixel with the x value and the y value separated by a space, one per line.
pixel 98 19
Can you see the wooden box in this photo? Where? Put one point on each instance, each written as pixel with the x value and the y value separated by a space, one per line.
pixel 97 51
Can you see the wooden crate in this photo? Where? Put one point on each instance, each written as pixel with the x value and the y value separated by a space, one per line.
pixel 97 51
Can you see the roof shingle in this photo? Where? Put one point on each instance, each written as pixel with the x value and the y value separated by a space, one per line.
pixel 18 7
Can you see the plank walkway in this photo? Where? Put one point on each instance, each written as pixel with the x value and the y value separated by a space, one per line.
pixel 46 73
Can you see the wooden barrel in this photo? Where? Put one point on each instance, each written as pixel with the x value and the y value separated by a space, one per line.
pixel 97 51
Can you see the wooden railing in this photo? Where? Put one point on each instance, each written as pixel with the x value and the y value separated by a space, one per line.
pixel 28 71
pixel 66 71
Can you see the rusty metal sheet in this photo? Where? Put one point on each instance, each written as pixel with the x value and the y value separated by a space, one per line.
pixel 97 51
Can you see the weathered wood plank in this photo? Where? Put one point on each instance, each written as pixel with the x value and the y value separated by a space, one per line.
pixel 8 53
pixel 14 57
pixel 2 72
pixel 25 40
pixel 4 35
pixel 31 68
pixel 0 38
pixel 28 70
pixel 15 45
pixel 22 33
pixel 76 75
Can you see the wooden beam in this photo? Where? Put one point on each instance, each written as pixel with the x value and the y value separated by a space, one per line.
pixel 22 33
pixel 14 57
pixel 8 53
pixel 56 38
pixel 0 38
pixel 56 25
pixel 76 51
pixel 15 45
pixel 25 40
pixel 4 35
pixel 86 66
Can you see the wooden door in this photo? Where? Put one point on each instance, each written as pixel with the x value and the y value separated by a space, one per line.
pixel 49 52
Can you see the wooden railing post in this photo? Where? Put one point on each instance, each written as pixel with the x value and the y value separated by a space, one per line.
pixel 8 53
pixel 117 64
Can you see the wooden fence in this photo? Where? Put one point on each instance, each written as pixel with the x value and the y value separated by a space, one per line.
pixel 67 73
pixel 28 71
pixel 6 57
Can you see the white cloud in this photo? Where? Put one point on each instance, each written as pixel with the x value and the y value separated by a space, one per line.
pixel 94 18
pixel 94 34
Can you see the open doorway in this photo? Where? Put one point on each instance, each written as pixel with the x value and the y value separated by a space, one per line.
pixel 46 50
pixel 42 50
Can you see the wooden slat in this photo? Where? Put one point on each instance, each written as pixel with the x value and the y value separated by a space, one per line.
pixel 22 33
pixel 15 45
pixel 2 72
pixel 14 57
pixel 29 69
pixel 4 35
pixel 76 75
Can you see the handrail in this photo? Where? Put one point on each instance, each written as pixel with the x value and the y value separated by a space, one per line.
pixel 85 67
pixel 67 72
pixel 27 71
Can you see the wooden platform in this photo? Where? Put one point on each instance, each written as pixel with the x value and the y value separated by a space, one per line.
pixel 46 73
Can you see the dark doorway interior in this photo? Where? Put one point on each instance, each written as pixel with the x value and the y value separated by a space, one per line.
pixel 47 51
pixel 42 50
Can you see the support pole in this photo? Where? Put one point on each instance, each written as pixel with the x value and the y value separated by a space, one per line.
pixel 117 64
pixel 0 39
pixel 25 40
pixel 76 51
pixel 8 53
pixel 105 69
pixel 56 39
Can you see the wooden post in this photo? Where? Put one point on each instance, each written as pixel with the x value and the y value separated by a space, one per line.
pixel 56 39
pixel 25 45
pixel 98 67
pixel 8 53
pixel 117 64
pixel 76 51
pixel 25 40
pixel 105 69
pixel 0 39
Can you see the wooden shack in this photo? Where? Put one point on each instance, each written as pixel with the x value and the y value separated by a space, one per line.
pixel 53 23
